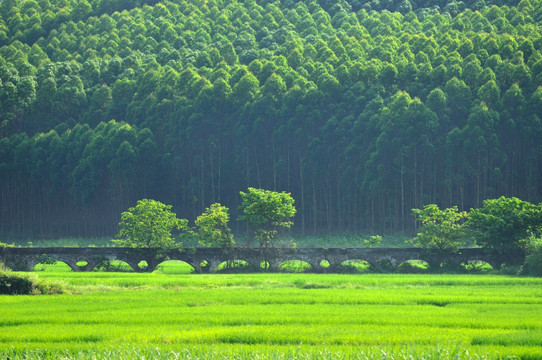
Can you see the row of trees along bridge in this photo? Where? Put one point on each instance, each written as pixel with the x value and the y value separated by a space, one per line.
pixel 506 229
pixel 503 226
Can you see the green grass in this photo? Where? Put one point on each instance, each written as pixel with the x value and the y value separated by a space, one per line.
pixel 64 242
pixel 339 240
pixel 272 316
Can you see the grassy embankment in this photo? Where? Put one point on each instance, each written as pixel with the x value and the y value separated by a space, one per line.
pixel 345 241
pixel 304 316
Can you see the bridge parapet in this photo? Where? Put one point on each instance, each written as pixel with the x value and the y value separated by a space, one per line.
pixel 25 258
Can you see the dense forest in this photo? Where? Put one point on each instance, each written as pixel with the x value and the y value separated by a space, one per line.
pixel 361 109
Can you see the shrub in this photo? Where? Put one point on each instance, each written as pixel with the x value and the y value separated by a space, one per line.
pixel 442 231
pixel 42 287
pixel 16 284
pixel 353 267
pixel 476 266
pixel 532 265
pixel 371 241
pixel 237 267
pixel 107 265
pixel 503 225
pixel 413 267
pixel 295 266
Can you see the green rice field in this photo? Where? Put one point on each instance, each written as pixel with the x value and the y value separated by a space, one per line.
pixel 165 315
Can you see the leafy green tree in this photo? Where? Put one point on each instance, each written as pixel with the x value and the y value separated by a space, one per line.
pixel 532 265
pixel 442 231
pixel 459 99
pixel 490 94
pixel 246 89
pixel 267 211
pixel 149 225
pixel 213 230
pixel 503 225
pixel 81 10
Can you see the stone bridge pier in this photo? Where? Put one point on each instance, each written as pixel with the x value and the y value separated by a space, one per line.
pixel 208 259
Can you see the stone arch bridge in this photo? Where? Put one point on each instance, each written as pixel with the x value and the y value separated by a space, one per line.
pixel 208 259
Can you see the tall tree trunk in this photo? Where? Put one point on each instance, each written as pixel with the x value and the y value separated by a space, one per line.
pixel 314 218
pixel 402 195
pixel 212 173
pixel 219 170
pixel 303 212
pixel 202 183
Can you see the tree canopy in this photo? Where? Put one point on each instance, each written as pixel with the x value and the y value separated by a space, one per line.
pixel 441 231
pixel 267 211
pixel 361 110
pixel 149 225
pixel 505 224
pixel 213 230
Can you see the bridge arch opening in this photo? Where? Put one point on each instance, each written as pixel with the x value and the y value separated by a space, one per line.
pixel 175 267
pixel 324 264
pixel 414 266
pixel 56 266
pixel 235 266
pixel 354 266
pixel 385 264
pixel 476 266
pixel 295 266
pixel 81 264
pixel 107 265
pixel 205 266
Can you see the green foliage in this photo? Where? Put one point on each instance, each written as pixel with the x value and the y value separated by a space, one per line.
pixel 476 267
pixel 503 225
pixel 295 266
pixel 361 109
pixel 237 267
pixel 413 267
pixel 532 265
pixel 45 259
pixel 267 211
pixel 113 266
pixel 66 242
pixel 442 230
pixel 12 283
pixel 373 240
pixel 149 225
pixel 213 230
pixel 354 267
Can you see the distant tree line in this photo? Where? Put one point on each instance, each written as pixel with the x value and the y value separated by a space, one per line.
pixel 362 110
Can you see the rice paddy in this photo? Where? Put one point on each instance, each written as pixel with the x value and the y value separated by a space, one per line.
pixel 275 316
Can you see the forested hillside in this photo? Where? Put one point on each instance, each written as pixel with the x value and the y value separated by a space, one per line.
pixel 361 109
